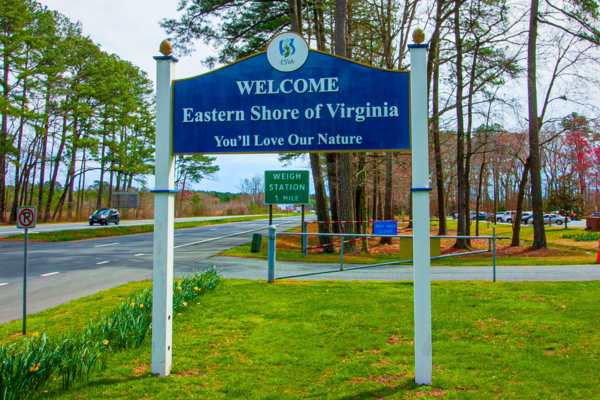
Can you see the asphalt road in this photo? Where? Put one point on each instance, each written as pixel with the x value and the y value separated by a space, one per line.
pixel 62 271
pixel 6 230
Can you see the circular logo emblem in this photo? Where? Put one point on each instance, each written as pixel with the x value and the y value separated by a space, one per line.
pixel 287 52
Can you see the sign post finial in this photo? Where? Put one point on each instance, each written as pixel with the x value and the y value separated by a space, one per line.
pixel 165 48
pixel 418 36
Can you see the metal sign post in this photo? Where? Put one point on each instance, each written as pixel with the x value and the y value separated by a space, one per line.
pixel 26 219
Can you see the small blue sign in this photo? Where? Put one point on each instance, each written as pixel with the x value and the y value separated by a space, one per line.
pixel 387 227
pixel 327 104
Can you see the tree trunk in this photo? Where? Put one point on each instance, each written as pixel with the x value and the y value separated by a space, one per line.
pixel 81 186
pixel 361 200
pixel 4 134
pixel 71 171
pixel 332 183
pixel 478 199
pixel 469 152
pixel 18 170
pixel 537 206
pixel 516 225
pixel 44 150
pixel 57 160
pixel 110 182
pixel 345 171
pixel 388 212
pixel 435 132
pixel 375 193
pixel 460 139
pixel 102 170
pixel 321 201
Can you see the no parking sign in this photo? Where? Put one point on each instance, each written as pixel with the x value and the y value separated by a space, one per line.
pixel 26 217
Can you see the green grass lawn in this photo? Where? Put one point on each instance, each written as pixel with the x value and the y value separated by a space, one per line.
pixel 353 340
pixel 80 234
pixel 566 257
pixel 561 251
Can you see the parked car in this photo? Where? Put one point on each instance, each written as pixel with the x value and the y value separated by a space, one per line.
pixel 504 216
pixel 104 216
pixel 482 216
pixel 527 217
pixel 549 218
pixel 553 218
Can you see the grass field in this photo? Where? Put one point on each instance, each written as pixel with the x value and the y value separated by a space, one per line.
pixel 342 340
pixel 81 234
pixel 561 251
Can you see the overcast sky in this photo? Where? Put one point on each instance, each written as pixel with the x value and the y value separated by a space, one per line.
pixel 130 29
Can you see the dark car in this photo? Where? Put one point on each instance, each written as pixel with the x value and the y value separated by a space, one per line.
pixel 482 216
pixel 104 216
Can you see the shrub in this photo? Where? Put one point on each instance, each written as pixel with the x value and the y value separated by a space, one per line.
pixel 31 363
pixel 582 237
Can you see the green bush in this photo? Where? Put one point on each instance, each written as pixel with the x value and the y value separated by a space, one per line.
pixel 582 237
pixel 27 365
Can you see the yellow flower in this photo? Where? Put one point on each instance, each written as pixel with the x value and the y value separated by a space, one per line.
pixel 35 334
pixel 184 304
pixel 196 288
pixel 105 342
pixel 35 367
pixel 141 305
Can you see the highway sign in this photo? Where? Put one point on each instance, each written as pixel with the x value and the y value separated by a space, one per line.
pixel 286 187
pixel 26 217
pixel 125 200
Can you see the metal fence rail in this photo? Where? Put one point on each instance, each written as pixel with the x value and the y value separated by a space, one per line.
pixel 304 243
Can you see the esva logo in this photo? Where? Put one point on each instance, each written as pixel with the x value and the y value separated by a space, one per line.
pixel 287 52
pixel 287 48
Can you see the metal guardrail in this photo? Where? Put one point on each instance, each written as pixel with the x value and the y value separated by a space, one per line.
pixel 272 245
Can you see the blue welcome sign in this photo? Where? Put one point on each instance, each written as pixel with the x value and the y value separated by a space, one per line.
pixel 291 99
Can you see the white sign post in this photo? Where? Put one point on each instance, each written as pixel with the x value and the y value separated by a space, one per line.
pixel 26 219
pixel 164 220
pixel 420 203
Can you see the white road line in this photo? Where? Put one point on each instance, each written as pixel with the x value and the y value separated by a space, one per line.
pixel 102 262
pixel 3 284
pixel 138 254
pixel 219 238
pixel 107 244
pixel 50 274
